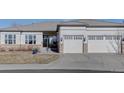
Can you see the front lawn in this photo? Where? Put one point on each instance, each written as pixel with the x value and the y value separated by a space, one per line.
pixel 22 57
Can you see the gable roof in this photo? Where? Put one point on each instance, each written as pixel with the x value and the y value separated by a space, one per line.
pixel 52 26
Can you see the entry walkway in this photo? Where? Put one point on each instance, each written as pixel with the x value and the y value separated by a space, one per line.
pixel 45 51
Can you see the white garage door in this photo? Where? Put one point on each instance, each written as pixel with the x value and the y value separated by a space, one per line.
pixel 73 44
pixel 101 44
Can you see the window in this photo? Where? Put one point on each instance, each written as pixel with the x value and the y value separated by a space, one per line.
pixel 30 39
pixel 10 39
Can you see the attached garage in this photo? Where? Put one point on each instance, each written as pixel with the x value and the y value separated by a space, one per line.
pixel 90 37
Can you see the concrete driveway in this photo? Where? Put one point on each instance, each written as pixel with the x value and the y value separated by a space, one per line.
pixel 96 62
pixel 104 62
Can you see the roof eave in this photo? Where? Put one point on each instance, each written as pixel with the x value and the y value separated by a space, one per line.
pixel 26 30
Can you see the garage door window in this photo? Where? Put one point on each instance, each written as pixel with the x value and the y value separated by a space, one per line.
pixel 73 37
pixel 108 37
pixel 78 37
pixel 117 37
pixel 99 37
pixel 112 37
pixel 68 37
pixel 95 37
pixel 91 37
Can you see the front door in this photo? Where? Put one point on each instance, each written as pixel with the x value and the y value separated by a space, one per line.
pixel 45 41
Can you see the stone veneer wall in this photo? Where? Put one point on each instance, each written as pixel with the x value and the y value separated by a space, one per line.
pixel 17 47
pixel 61 47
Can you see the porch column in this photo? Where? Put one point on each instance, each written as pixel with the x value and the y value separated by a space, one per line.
pixel 60 42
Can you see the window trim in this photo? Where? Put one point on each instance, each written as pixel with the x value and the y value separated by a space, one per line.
pixel 10 38
pixel 30 39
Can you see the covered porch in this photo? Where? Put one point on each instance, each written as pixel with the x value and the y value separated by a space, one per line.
pixel 50 42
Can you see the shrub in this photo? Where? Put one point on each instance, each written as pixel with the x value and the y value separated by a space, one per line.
pixel 35 50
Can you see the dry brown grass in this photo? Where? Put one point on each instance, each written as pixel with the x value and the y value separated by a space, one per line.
pixel 26 58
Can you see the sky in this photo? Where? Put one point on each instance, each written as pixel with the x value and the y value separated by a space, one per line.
pixel 9 22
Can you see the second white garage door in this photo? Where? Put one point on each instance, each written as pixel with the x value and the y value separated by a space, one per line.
pixel 73 44
pixel 102 45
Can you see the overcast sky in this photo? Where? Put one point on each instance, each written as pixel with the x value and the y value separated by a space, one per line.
pixel 10 22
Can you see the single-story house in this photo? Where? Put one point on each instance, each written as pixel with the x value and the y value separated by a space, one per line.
pixel 73 36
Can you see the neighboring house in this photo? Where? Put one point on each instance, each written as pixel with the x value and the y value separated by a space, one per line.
pixel 76 36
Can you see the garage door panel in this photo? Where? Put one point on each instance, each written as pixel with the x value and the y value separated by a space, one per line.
pixel 103 43
pixel 102 46
pixel 71 46
pixel 73 43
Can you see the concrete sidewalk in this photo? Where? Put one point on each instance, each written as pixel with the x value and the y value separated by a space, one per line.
pixel 97 62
